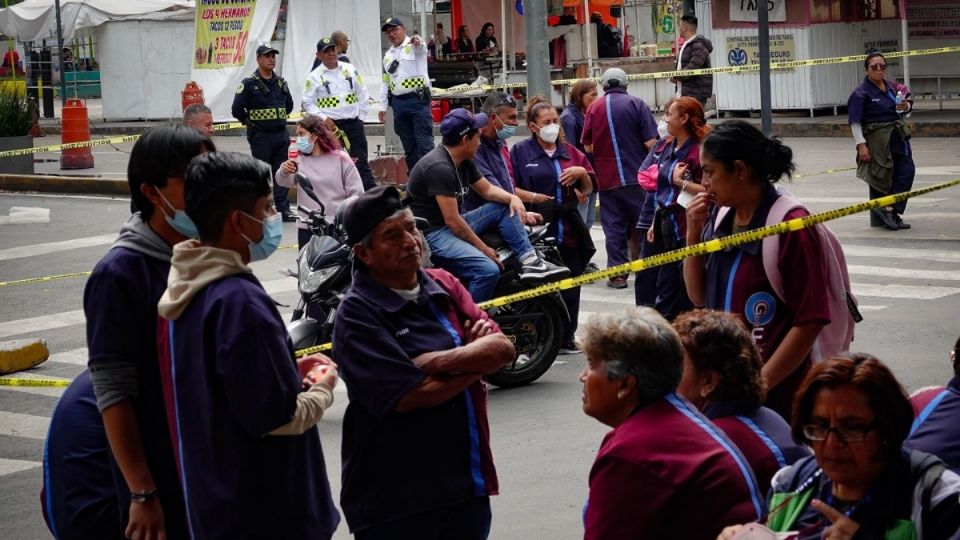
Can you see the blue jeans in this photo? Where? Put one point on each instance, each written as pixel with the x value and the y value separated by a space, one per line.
pixel 414 125
pixel 588 210
pixel 467 262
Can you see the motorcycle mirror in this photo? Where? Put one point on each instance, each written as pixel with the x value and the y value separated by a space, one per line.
pixel 422 223
pixel 304 184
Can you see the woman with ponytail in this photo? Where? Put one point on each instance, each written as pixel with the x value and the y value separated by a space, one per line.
pixel 740 167
pixel 678 180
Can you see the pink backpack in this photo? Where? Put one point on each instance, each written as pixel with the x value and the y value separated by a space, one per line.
pixel 836 336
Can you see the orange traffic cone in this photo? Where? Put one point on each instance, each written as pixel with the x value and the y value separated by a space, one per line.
pixel 76 128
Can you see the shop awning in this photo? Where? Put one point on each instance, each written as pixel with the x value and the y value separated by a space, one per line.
pixel 36 19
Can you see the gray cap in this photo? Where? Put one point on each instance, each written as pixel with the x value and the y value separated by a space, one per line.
pixel 614 74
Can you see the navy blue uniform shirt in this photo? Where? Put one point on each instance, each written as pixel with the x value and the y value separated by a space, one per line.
pixel 262 104
pixel 230 379
pixel 868 104
pixel 79 497
pixel 492 162
pixel 397 464
pixel 937 427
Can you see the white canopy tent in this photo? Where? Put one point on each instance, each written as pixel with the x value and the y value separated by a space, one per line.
pixel 36 19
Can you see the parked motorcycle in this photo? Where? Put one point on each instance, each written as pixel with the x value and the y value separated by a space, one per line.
pixel 324 266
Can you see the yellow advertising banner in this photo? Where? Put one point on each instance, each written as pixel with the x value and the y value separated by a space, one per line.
pixel 223 28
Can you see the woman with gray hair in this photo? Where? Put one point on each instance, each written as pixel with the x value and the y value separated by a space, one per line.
pixel 641 484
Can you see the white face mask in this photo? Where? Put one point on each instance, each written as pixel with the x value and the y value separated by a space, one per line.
pixel 550 132
pixel 662 128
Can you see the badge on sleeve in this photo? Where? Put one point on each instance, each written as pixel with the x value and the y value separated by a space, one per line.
pixel 240 89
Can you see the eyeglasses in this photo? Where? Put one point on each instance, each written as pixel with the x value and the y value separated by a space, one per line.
pixel 819 432
pixel 878 67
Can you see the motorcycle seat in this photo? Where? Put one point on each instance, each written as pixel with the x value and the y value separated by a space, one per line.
pixel 493 239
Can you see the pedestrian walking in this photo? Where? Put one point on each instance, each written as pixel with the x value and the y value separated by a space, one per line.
pixel 262 104
pixel 740 166
pixel 335 93
pixel 618 147
pixel 120 304
pixel 875 111
pixel 694 54
pixel 413 348
pixel 243 412
pixel 406 88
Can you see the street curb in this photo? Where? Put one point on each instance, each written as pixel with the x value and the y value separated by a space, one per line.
pixel 62 184
pixel 22 354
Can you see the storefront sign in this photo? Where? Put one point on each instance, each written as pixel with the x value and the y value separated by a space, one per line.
pixel 665 19
pixel 743 50
pixel 746 10
pixel 933 21
pixel 223 29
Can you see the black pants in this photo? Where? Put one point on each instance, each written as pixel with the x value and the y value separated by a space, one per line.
pixel 271 147
pixel 903 171
pixel 465 521
pixel 574 259
pixel 353 129
pixel 670 291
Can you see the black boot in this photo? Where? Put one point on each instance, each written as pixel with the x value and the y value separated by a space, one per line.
pixel 899 221
pixel 886 218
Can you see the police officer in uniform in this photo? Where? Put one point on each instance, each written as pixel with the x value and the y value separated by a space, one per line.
pixel 335 92
pixel 406 88
pixel 262 103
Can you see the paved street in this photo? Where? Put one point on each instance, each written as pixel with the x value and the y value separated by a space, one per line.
pixel 908 283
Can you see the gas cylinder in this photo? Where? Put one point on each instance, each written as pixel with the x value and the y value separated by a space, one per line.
pixel 192 93
pixel 75 128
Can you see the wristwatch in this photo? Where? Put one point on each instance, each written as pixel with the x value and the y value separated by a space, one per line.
pixel 143 496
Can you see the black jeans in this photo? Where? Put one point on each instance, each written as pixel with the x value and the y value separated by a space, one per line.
pixel 271 147
pixel 465 521
pixel 353 129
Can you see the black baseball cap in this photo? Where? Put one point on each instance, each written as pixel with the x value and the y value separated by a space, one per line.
pixel 324 44
pixel 459 121
pixel 389 23
pixel 266 49
pixel 368 210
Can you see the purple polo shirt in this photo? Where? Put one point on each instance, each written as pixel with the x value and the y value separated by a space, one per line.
pixel 397 464
pixel 668 472
pixel 492 160
pixel 761 435
pixel 540 173
pixel 936 429
pixel 868 104
pixel 229 379
pixel 618 147
pixel 737 283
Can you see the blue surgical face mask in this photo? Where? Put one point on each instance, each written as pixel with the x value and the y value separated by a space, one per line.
pixel 180 221
pixel 272 233
pixel 506 131
pixel 304 145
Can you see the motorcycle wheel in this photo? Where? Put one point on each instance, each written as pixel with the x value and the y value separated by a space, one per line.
pixel 535 327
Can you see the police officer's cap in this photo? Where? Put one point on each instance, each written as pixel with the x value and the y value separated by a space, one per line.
pixel 324 44
pixel 390 23
pixel 266 49
pixel 368 210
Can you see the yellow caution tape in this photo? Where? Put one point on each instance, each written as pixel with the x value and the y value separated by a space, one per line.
pixel 751 68
pixel 79 274
pixel 17 381
pixel 702 248
pixel 113 140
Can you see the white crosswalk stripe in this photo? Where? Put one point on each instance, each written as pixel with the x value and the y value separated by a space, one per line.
pixel 10 466
pixel 27 426
pixel 53 247
pixel 41 323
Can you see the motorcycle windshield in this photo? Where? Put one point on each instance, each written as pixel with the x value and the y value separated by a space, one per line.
pixel 317 247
